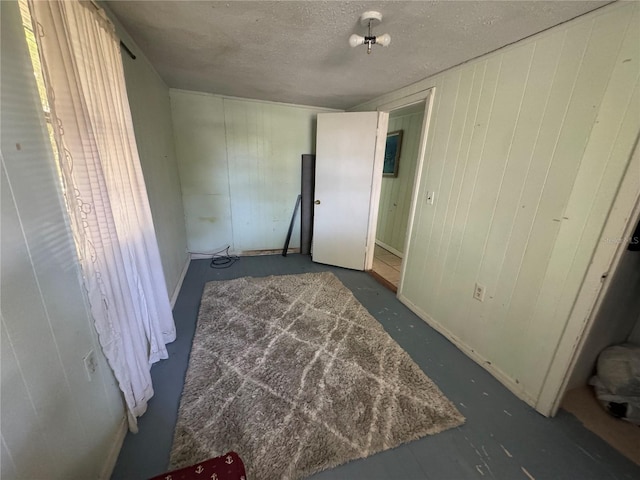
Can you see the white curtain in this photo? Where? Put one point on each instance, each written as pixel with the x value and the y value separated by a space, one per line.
pixel 105 192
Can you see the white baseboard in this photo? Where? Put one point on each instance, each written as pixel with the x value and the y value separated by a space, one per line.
pixel 502 377
pixel 176 290
pixel 271 251
pixel 397 253
pixel 247 253
pixel 201 256
pixel 112 458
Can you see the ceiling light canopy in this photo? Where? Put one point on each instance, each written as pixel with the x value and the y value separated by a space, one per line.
pixel 369 19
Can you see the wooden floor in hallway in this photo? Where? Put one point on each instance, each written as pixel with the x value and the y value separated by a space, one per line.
pixel 387 266
pixel 620 434
pixel 503 438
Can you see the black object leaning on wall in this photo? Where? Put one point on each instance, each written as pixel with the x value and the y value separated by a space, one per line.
pixel 306 205
pixel 634 242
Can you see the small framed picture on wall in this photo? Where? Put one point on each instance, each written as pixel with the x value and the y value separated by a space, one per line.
pixel 392 154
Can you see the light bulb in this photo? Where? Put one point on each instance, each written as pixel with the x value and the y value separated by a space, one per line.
pixel 384 40
pixel 355 40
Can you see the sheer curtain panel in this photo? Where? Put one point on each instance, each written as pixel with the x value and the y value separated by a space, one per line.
pixel 105 192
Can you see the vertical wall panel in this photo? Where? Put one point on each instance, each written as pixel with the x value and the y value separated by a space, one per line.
pixel 239 165
pixel 42 373
pixel 199 131
pixel 7 464
pixel 526 173
pixel 449 184
pixel 521 202
pixel 541 201
pixel 265 142
pixel 605 154
pixel 481 100
pixel 445 94
pixel 55 422
pixel 21 444
pixel 151 113
pixel 470 237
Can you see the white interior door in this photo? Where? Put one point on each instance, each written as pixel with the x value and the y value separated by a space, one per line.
pixel 349 156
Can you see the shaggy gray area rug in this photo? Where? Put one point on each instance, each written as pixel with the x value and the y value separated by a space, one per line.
pixel 294 374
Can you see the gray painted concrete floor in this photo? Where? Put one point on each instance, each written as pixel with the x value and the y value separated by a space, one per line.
pixel 503 438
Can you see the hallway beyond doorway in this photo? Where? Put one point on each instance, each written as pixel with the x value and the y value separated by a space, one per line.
pixel 386 266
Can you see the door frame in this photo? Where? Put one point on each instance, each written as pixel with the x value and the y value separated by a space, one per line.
pixel 621 223
pixel 376 187
pixel 427 97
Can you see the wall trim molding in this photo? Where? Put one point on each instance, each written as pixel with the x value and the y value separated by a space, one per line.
pixel 114 452
pixel 397 253
pixel 502 377
pixel 417 178
pixel 200 256
pixel 255 100
pixel 406 101
pixel 183 273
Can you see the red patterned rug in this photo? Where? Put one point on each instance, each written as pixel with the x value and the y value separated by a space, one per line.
pixel 226 467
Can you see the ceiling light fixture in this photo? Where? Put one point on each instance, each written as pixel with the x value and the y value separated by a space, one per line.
pixel 369 19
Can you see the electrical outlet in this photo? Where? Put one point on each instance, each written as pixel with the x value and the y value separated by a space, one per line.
pixel 478 292
pixel 430 197
pixel 90 364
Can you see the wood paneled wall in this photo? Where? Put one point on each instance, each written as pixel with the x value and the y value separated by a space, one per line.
pixel 395 195
pixel 526 149
pixel 56 423
pixel 151 114
pixel 240 163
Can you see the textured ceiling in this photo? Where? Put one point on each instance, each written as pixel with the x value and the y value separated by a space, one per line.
pixel 298 52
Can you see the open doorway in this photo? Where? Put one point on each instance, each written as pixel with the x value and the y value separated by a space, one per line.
pixel 608 313
pixel 616 322
pixel 404 136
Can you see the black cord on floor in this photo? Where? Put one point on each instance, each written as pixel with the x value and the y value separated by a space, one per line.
pixel 223 260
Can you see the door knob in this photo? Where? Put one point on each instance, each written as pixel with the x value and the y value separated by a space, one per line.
pixel 317 202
